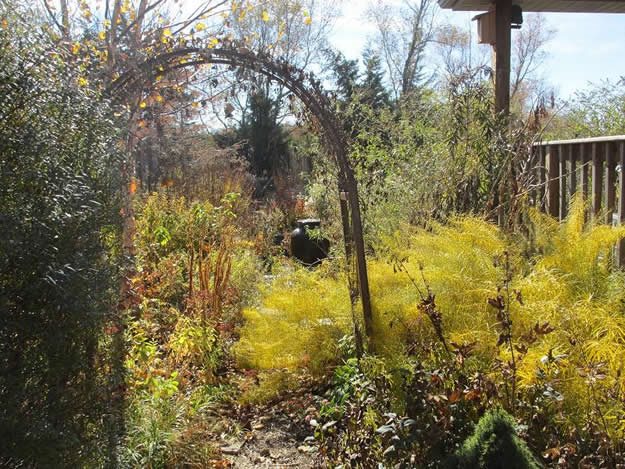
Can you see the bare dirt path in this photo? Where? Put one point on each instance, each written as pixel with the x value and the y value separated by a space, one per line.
pixel 272 442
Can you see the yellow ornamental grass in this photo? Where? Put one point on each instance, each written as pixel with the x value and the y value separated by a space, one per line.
pixel 575 288
pixel 457 262
pixel 303 315
pixel 571 285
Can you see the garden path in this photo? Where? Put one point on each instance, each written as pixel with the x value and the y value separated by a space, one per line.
pixel 275 441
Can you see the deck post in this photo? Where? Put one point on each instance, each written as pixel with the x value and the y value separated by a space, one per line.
pixel 503 13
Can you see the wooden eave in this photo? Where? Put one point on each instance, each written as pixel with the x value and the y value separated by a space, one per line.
pixel 562 6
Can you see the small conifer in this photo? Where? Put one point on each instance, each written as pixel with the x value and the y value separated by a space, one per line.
pixel 494 444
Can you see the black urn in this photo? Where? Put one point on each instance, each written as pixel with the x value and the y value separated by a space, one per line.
pixel 309 250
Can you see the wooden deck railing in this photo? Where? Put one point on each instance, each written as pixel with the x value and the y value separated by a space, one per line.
pixel 595 166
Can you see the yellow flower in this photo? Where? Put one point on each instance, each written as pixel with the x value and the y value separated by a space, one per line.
pixel 102 35
pixel 200 27
pixel 82 81
pixel 265 16
pixel 143 104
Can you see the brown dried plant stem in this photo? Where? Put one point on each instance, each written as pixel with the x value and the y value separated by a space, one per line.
pixel 502 305
pixel 214 263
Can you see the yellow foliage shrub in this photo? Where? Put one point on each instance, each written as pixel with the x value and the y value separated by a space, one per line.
pixel 571 285
pixel 302 316
pixel 456 261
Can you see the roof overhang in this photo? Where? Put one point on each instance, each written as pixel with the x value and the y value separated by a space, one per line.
pixel 564 6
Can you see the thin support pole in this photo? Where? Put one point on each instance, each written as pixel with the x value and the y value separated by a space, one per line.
pixel 351 282
pixel 361 260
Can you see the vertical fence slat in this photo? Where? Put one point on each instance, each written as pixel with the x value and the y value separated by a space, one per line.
pixel 562 176
pixel 610 180
pixel 533 193
pixel 542 177
pixel 596 168
pixel 553 182
pixel 597 180
pixel 584 158
pixel 573 156
pixel 621 201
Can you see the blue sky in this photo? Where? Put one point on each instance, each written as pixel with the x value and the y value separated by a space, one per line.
pixel 586 47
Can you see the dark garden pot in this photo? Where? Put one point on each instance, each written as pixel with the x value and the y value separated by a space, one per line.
pixel 304 248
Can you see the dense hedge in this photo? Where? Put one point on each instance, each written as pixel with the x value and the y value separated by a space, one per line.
pixel 58 209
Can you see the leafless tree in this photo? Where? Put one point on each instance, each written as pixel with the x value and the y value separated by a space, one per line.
pixel 401 37
pixel 528 55
pixel 457 51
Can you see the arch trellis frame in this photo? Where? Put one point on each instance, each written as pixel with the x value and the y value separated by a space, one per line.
pixel 309 92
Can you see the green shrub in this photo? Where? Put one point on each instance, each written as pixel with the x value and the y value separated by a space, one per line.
pixel 59 170
pixel 494 444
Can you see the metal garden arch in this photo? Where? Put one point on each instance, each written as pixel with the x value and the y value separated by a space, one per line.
pixel 305 87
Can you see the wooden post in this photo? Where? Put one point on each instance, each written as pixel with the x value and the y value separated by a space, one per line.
pixel 503 13
pixel 597 181
pixel 621 202
pixel 553 182
pixel 562 157
pixel 610 181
